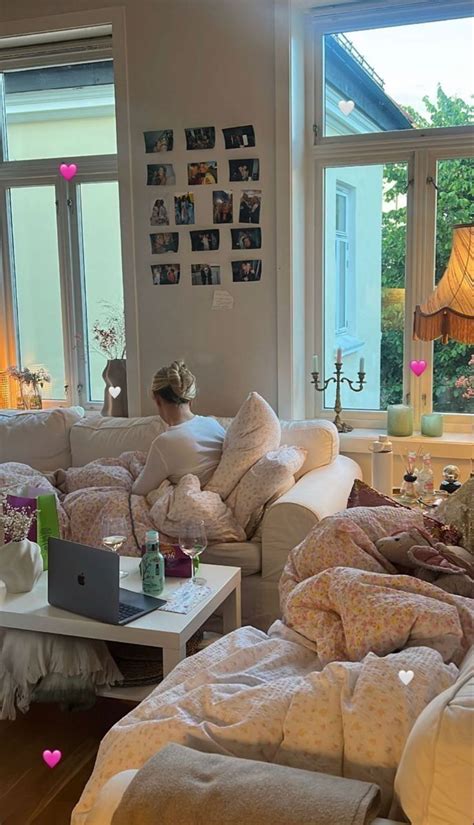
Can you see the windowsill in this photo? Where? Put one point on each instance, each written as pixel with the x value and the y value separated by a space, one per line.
pixel 448 445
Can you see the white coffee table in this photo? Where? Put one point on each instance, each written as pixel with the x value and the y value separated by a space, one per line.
pixel 170 631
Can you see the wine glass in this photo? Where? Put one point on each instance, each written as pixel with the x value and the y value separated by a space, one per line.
pixel 193 540
pixel 114 535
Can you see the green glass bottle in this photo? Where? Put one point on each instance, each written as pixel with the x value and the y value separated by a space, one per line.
pixel 152 566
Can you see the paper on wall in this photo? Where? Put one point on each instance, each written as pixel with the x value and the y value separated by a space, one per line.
pixel 222 299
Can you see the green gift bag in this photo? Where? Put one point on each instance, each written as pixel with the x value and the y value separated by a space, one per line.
pixel 46 523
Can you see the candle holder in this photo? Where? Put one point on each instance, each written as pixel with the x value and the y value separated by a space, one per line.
pixel 341 426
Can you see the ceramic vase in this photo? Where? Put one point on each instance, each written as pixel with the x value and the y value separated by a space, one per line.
pixel 115 377
pixel 21 565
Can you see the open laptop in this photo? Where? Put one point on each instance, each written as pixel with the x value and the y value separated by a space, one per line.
pixel 85 580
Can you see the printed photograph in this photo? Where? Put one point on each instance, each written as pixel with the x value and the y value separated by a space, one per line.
pixel 160 175
pixel 161 141
pixel 203 137
pixel 239 137
pixel 246 238
pixel 204 240
pixel 160 212
pixel 165 274
pixel 246 271
pixel 184 209
pixel 250 203
pixel 222 206
pixel 202 173
pixel 164 242
pixel 205 275
pixel 244 169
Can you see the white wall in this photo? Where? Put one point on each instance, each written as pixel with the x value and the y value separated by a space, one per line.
pixel 195 64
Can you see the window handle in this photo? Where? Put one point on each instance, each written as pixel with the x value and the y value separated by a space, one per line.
pixel 70 203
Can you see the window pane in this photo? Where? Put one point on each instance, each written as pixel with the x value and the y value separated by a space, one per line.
pixel 36 273
pixel 377 80
pixel 453 375
pixel 102 269
pixel 60 111
pixel 373 289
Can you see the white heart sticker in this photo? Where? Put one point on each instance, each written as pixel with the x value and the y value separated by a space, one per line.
pixel 115 391
pixel 346 106
pixel 405 676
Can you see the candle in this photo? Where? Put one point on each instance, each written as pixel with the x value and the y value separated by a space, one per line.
pixel 432 425
pixel 361 365
pixel 399 420
pixel 315 363
pixel 339 356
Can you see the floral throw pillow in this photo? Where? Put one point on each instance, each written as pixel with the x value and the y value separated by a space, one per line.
pixel 253 432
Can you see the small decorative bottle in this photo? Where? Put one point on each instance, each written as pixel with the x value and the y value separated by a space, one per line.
pixel 450 483
pixel 152 566
pixel 410 490
pixel 426 479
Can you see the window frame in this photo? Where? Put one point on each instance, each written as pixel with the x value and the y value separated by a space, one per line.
pixel 44 171
pixel 420 149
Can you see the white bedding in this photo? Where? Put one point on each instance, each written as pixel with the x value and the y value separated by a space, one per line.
pixel 261 697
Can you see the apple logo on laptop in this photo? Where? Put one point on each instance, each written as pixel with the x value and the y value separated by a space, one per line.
pixel 81 579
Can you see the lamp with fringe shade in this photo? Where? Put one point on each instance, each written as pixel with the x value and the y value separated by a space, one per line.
pixel 449 311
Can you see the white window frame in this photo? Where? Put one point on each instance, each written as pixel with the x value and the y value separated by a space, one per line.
pixel 41 172
pixel 421 149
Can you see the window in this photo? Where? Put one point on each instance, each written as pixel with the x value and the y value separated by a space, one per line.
pixel 394 167
pixel 62 238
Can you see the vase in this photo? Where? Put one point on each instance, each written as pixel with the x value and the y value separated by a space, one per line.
pixel 399 420
pixel 21 565
pixel 115 393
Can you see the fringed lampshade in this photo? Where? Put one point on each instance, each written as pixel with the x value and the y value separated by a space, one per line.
pixel 449 311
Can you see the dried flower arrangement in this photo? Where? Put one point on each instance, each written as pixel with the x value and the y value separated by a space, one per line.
pixel 16 522
pixel 109 333
pixel 29 381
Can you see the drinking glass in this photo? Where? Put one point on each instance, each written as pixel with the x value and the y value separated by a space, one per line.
pixel 114 535
pixel 193 540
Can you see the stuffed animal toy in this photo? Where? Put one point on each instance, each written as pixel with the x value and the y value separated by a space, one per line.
pixel 413 552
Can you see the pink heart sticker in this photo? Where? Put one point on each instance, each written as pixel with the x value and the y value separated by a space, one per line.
pixel 418 367
pixel 68 172
pixel 52 758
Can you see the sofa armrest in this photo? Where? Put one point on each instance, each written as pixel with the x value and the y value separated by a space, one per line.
pixel 288 521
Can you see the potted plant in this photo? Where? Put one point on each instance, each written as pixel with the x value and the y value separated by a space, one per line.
pixel 30 383
pixel 109 337
pixel 21 563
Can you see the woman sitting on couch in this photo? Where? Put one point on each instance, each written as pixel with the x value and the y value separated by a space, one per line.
pixel 192 444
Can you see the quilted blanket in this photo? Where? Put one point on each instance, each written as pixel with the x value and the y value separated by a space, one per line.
pixel 263 698
pixel 103 488
pixel 338 591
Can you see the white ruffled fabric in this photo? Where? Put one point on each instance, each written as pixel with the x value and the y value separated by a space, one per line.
pixel 26 657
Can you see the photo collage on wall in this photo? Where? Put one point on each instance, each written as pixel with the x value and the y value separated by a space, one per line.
pixel 184 222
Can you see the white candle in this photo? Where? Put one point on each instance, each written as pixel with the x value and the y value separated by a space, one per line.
pixel 339 356
pixel 361 365
pixel 315 363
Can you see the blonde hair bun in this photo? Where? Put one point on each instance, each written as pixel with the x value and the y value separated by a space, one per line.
pixel 178 378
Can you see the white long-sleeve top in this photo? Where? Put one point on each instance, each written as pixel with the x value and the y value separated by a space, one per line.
pixel 192 447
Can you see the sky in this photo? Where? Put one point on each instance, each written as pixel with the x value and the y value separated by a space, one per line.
pixel 413 59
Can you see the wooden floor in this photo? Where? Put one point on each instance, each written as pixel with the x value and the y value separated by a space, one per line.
pixel 30 792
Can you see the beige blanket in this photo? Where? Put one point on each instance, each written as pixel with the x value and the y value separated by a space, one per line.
pixel 189 788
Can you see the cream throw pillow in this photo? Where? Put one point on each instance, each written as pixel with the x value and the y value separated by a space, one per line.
pixel 434 781
pixel 270 475
pixel 253 432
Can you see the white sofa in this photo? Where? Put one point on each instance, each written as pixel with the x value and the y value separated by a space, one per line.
pixel 51 439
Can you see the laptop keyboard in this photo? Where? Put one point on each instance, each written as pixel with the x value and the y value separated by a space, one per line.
pixel 127 610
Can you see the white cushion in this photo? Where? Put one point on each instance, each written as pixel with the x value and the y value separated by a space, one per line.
pixel 273 474
pixel 318 437
pixel 253 432
pixel 106 437
pixel 39 438
pixel 434 781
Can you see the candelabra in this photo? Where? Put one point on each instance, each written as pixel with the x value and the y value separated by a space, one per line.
pixel 341 426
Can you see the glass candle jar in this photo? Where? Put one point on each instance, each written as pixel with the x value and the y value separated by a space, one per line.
pixel 432 425
pixel 399 420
